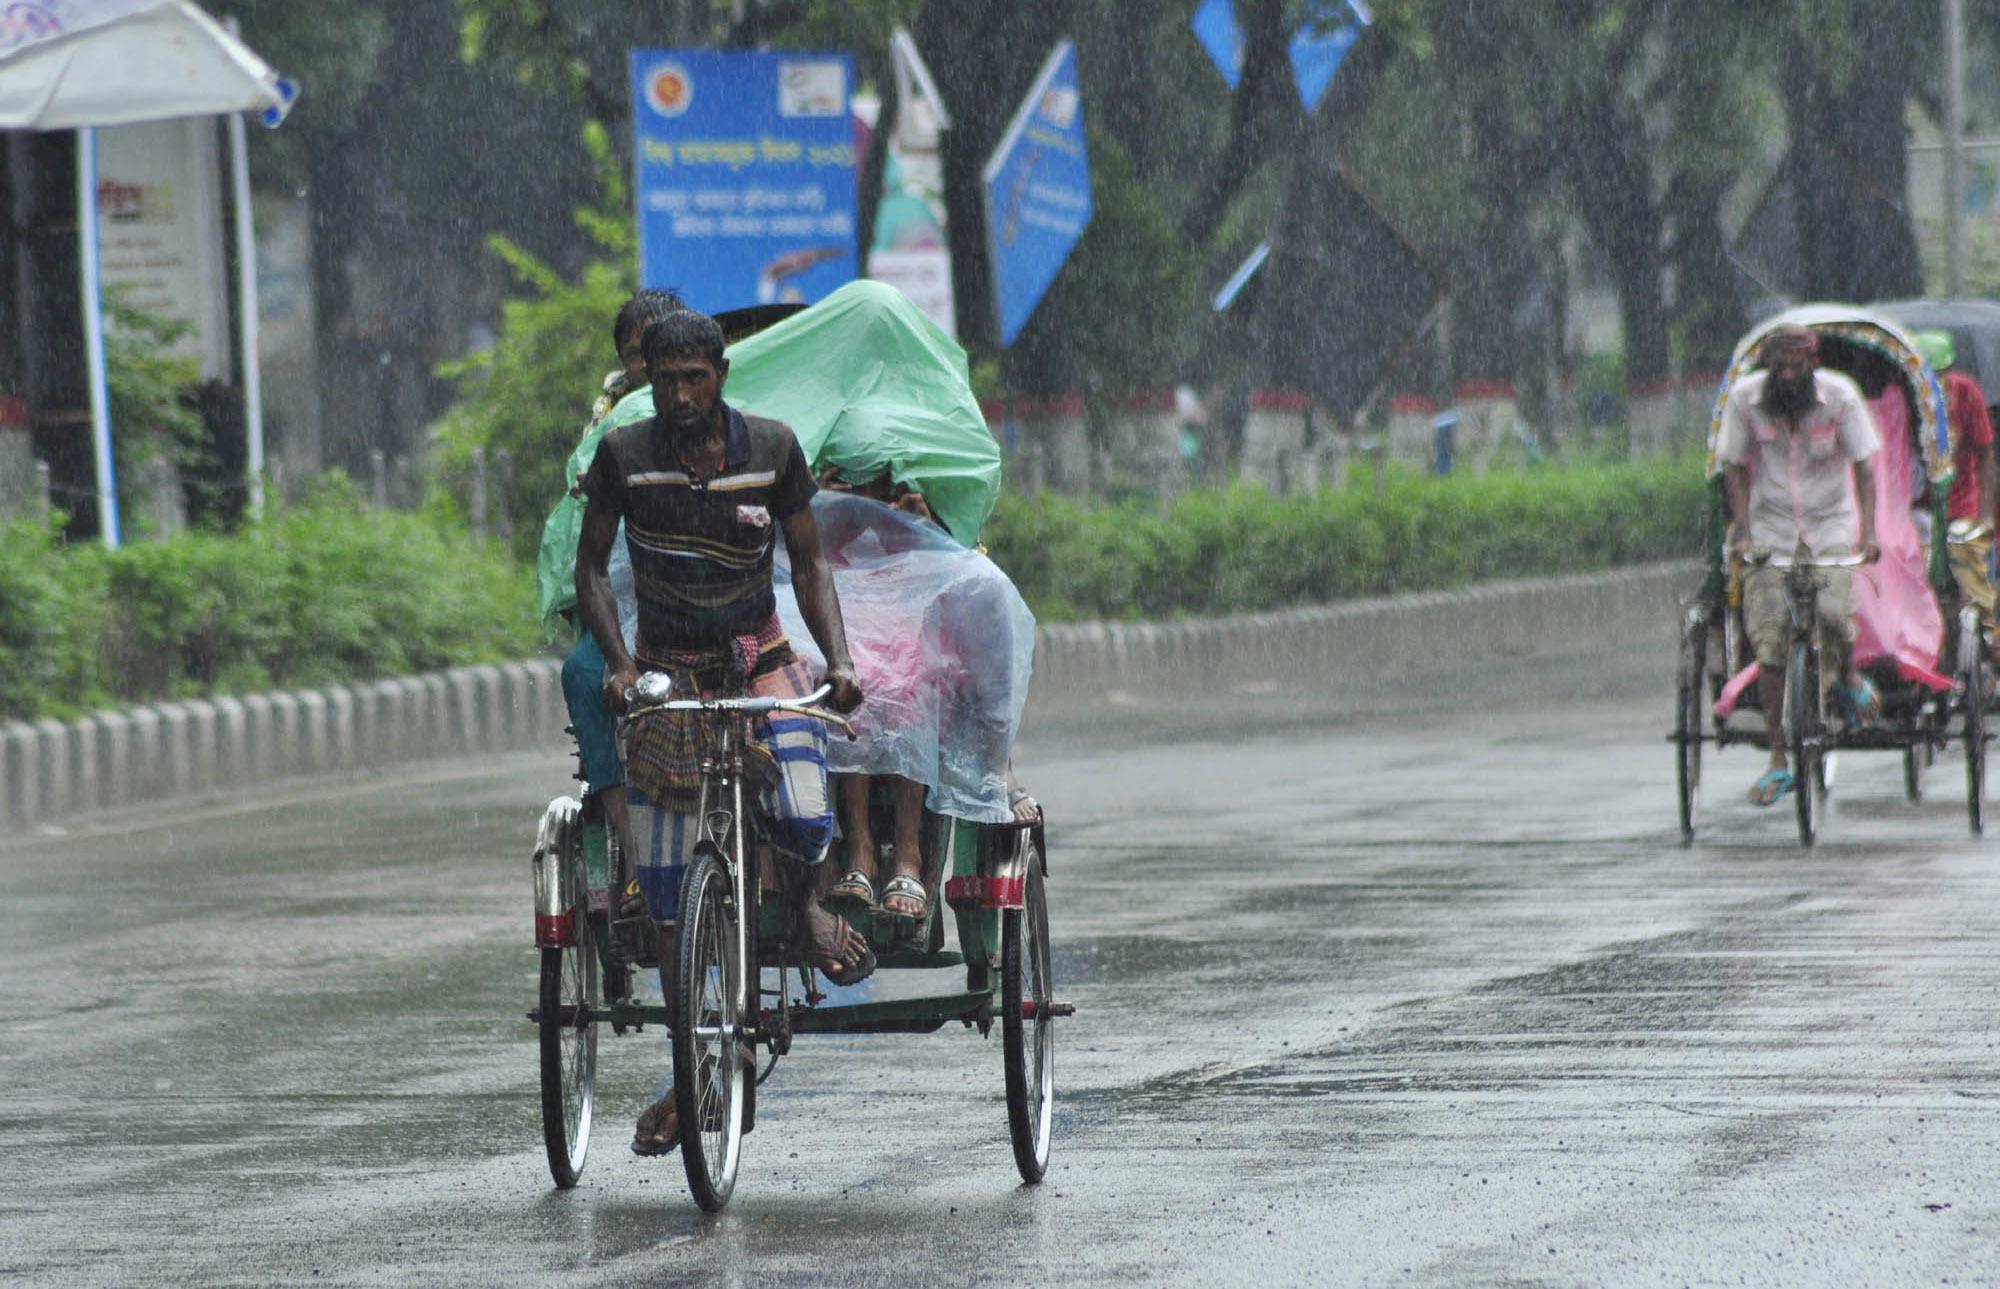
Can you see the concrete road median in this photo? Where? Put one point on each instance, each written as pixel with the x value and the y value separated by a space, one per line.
pixel 50 770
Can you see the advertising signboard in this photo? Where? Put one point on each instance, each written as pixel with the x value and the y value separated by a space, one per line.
pixel 745 174
pixel 911 251
pixel 159 218
pixel 1037 192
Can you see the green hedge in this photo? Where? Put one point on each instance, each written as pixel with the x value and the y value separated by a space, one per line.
pixel 328 591
pixel 322 592
pixel 1240 550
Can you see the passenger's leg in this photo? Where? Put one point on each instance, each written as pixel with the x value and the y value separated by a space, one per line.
pixel 597 744
pixel 857 830
pixel 908 796
pixel 596 733
pixel 1969 562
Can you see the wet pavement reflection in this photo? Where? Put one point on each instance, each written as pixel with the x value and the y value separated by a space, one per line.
pixel 1371 988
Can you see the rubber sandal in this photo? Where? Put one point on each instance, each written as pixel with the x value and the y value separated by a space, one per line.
pixel 819 951
pixel 862 970
pixel 909 888
pixel 646 1141
pixel 854 893
pixel 1776 782
pixel 1859 707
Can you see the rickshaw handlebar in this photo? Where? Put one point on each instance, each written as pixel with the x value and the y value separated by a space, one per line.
pixel 636 701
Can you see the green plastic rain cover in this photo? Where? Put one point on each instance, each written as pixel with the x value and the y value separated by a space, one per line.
pixel 867 382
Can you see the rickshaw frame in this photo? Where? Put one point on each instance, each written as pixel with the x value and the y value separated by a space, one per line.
pixel 990 875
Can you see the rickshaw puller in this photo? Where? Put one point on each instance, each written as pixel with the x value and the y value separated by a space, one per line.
pixel 1791 435
pixel 703 491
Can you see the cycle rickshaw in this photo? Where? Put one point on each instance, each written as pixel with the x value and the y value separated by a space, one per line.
pixel 1932 677
pixel 742 988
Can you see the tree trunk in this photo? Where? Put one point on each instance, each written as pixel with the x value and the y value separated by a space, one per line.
pixel 1605 163
pixel 1263 115
pixel 1849 167
pixel 982 54
pixel 1707 314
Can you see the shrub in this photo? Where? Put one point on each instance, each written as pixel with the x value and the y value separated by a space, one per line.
pixel 1239 550
pixel 319 593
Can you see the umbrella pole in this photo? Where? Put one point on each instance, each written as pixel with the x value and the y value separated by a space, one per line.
pixel 246 311
pixel 246 305
pixel 93 335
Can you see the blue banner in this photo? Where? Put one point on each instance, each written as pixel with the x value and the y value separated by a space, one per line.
pixel 1037 192
pixel 745 174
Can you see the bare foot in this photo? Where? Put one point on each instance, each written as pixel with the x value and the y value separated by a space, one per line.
pixel 837 949
pixel 659 1128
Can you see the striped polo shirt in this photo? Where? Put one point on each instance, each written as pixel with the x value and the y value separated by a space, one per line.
pixel 701 552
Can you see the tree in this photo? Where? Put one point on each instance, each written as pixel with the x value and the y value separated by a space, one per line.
pixel 1844 69
pixel 408 158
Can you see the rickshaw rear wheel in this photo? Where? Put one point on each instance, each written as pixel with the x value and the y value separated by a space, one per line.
pixel 709 1074
pixel 1807 729
pixel 1028 1043
pixel 1687 724
pixel 569 1047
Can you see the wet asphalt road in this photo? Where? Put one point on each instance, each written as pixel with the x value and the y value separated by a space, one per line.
pixel 1368 993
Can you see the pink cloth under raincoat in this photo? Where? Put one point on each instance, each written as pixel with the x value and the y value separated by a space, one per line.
pixel 1896 614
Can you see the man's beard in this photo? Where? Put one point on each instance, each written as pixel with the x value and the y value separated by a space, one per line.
pixel 1788 397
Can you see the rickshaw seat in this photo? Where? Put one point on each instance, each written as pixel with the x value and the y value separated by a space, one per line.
pixel 1732 692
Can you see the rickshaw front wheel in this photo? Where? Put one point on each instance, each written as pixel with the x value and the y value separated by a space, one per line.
pixel 1807 727
pixel 710 1076
pixel 1028 1042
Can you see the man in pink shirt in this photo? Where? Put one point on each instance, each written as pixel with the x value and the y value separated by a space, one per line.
pixel 1793 439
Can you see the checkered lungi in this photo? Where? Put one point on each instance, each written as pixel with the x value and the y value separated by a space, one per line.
pixel 786 762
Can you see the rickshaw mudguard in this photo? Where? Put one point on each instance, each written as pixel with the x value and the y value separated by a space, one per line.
pixel 988 876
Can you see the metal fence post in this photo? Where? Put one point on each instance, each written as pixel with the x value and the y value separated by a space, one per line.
pixel 42 489
pixel 378 478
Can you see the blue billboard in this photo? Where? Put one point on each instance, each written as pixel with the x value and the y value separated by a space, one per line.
pixel 745 174
pixel 1037 192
